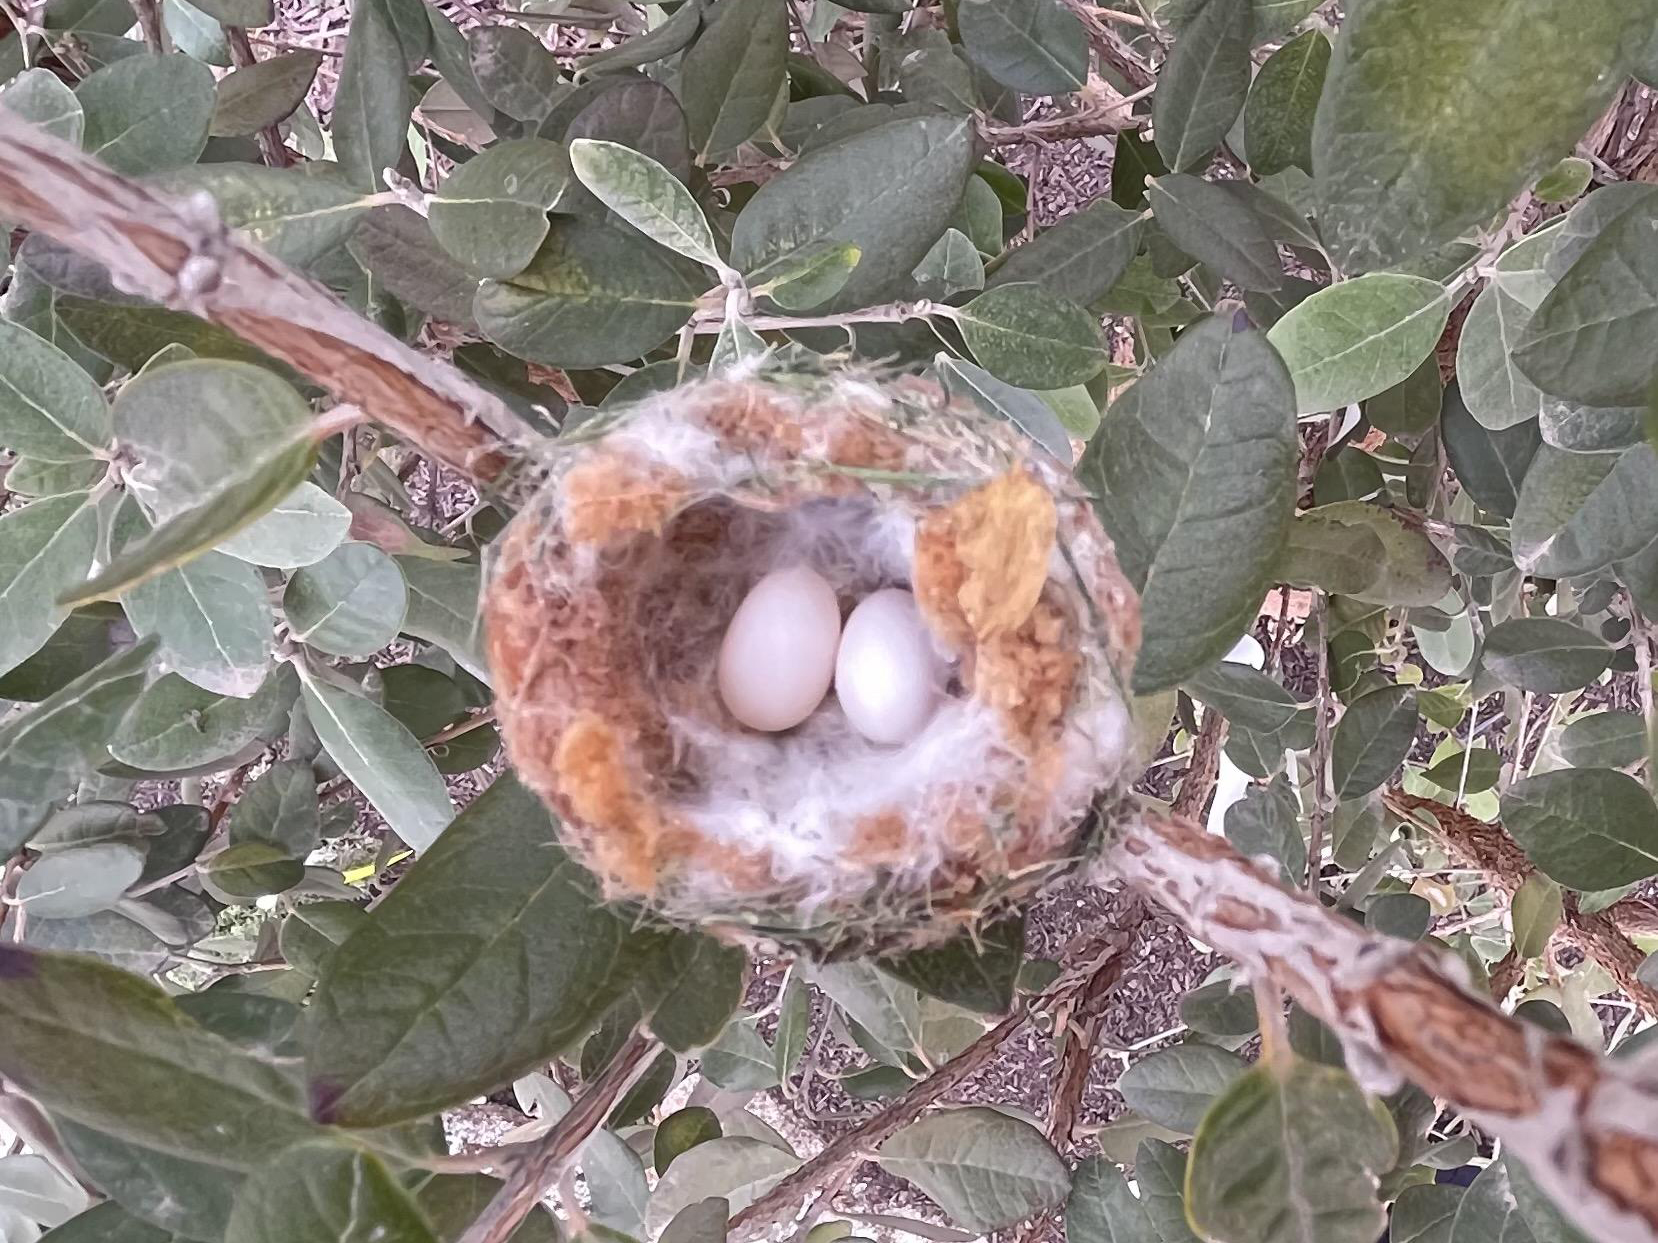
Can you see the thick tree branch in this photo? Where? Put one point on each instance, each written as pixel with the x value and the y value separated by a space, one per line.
pixel 178 253
pixel 1586 1127
pixel 1474 843
pixel 1204 769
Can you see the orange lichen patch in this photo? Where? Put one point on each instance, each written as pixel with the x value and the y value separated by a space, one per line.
pixel 1004 538
pixel 750 419
pixel 1625 1167
pixel 881 838
pixel 627 832
pixel 612 494
pixel 937 576
pixel 1030 675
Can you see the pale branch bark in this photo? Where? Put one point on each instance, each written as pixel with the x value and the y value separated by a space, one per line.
pixel 846 1150
pixel 538 1169
pixel 1586 1127
pixel 149 22
pixel 1089 121
pixel 1474 843
pixel 178 253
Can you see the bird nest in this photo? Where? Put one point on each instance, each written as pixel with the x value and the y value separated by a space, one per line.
pixel 614 586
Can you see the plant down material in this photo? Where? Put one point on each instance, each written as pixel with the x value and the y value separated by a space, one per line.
pixel 614 587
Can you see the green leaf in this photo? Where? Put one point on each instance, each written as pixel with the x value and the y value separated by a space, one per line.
pixel 1540 1214
pixel 351 603
pixel 383 760
pixel 1604 740
pixel 443 609
pixel 250 870
pixel 515 72
pixel 1268 822
pixel 1028 337
pixel 1495 390
pixel 150 1074
pixel 1024 409
pixel 184 537
pixel 264 93
pixel 1202 86
pixel 1535 914
pixel 1489 1212
pixel 41 98
pixel 689 987
pixel 1359 337
pixel 647 196
pixel 1160 1169
pixel 659 43
pixel 740 1061
pixel 1411 406
pixel 1565 181
pixel 888 1009
pixel 1174 1087
pixel 730 77
pixel 47 749
pixel 491 212
pixel 1582 512
pixel 706 1221
pixel 1194 471
pixel 1545 654
pixel 1278 116
pixel 1035 46
pixel 132 335
pixel 1426 129
pixel 803 278
pixel 1489 465
pixel 1424 1213
pixel 1219 1008
pixel 986 1170
pixel 279 808
pixel 593 295
pixel 1244 696
pixel 1576 344
pixel 299 218
pixel 49 408
pixel 495 908
pixel 889 191
pixel 1290 1152
pixel 373 102
pixel 1101 1208
pixel 1216 229
pixel 977 972
pixel 81 880
pixel 1588 828
pixel 314 930
pixel 794 1021
pixel 326 1193
pixel 109 1223
pixel 1080 257
pixel 1403 915
pixel 300 529
pixel 930 71
pixel 737 1168
pixel 45 548
pixel 167 1192
pixel 1371 740
pixel 1469 771
pixel 952 266
pixel 148 113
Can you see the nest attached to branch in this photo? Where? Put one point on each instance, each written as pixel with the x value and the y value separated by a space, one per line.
pixel 613 588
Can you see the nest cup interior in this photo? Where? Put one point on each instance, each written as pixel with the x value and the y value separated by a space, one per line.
pixel 613 594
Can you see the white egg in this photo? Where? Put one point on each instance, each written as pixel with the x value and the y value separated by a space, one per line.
pixel 778 655
pixel 889 676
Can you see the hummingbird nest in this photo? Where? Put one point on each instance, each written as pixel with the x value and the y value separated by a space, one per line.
pixel 613 588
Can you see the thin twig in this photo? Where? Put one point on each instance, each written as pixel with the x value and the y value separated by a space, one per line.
pixel 540 1167
pixel 149 22
pixel 854 1145
pixel 1204 769
pixel 1320 758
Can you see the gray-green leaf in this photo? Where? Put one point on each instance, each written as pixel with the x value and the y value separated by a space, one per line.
pixel 1545 654
pixel 647 196
pixel 1202 85
pixel 1026 336
pixel 986 1170
pixel 1036 46
pixel 1588 828
pixel 1372 739
pixel 491 212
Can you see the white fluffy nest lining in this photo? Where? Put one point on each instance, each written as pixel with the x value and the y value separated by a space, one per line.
pixel 614 586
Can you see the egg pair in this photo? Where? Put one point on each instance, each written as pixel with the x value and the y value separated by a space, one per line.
pixel 785 645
